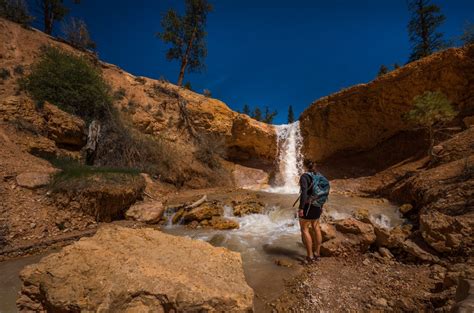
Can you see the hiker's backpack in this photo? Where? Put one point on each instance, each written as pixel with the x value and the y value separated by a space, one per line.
pixel 319 190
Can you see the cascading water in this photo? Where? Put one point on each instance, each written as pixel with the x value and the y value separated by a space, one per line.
pixel 289 159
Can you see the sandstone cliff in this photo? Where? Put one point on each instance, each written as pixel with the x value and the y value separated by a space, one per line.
pixel 364 123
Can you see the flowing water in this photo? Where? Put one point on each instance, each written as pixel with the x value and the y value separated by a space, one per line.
pixel 261 239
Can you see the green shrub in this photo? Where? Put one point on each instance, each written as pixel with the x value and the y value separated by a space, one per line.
pixel 70 82
pixel 4 73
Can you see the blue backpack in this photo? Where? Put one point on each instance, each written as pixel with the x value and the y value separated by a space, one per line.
pixel 319 189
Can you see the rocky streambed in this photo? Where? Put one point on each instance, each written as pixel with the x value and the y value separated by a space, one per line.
pixel 264 231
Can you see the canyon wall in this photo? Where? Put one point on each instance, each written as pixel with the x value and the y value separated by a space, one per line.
pixel 363 125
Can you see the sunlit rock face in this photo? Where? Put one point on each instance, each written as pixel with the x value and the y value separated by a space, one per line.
pixel 361 118
pixel 137 270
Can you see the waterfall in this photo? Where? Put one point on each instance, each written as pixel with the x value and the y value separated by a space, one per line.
pixel 289 158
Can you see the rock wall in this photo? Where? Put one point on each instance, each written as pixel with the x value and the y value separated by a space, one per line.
pixel 362 117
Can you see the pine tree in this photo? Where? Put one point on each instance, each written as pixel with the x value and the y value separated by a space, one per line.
pixel 425 19
pixel 15 11
pixel 396 66
pixel 52 11
pixel 77 34
pixel 291 115
pixel 269 116
pixel 186 34
pixel 246 109
pixel 382 70
pixel 257 114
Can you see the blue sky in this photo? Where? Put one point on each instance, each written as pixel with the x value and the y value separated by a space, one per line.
pixel 269 52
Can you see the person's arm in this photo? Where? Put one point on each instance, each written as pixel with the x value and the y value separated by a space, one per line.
pixel 304 191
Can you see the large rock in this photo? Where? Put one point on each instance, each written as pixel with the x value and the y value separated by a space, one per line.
pixel 446 233
pixel 33 180
pixel 205 211
pixel 350 236
pixel 136 270
pixel 64 128
pixel 250 178
pixel 464 297
pixel 146 212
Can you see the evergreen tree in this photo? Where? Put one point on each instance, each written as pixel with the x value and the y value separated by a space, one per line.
pixel 77 34
pixel 52 11
pixel 15 11
pixel 396 66
pixel 186 34
pixel 246 109
pixel 467 37
pixel 382 70
pixel 188 86
pixel 291 115
pixel 257 114
pixel 269 116
pixel 432 110
pixel 425 19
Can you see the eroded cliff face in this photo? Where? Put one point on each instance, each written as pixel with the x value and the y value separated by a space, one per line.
pixel 153 107
pixel 364 117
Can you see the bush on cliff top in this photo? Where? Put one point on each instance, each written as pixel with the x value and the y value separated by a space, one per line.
pixel 70 82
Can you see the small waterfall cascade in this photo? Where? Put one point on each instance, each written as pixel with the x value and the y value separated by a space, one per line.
pixel 289 158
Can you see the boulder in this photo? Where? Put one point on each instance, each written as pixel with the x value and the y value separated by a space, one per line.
pixel 385 253
pixel 33 180
pixel 136 270
pixel 447 234
pixel 223 223
pixel 246 208
pixel 249 178
pixel 350 236
pixel 363 231
pixel 146 212
pixel 205 211
pixel 392 238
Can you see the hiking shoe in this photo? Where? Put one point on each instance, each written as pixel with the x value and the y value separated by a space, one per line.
pixel 308 260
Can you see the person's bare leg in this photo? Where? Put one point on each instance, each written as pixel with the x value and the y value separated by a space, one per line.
pixel 304 225
pixel 318 239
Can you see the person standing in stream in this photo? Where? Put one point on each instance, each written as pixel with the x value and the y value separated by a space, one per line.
pixel 314 191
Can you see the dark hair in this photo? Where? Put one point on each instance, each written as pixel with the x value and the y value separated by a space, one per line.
pixel 310 165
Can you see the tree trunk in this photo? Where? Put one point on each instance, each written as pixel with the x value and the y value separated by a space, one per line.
pixel 184 61
pixel 48 20
pixel 430 151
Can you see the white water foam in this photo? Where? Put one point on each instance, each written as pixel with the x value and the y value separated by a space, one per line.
pixel 290 160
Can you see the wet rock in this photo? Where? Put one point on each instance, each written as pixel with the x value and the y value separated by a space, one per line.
pixel 362 215
pixel 33 180
pixel 205 211
pixel 283 263
pixel 246 208
pixel 146 212
pixel 223 223
pixel 136 270
pixel 405 208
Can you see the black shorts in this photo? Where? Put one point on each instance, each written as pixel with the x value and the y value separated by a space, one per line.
pixel 310 212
